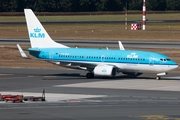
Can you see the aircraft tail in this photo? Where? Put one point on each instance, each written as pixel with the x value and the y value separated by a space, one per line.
pixel 39 38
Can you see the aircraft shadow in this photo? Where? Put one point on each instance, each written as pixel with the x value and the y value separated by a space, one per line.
pixel 77 76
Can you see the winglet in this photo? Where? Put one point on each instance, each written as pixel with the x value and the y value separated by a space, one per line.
pixel 121 47
pixel 22 52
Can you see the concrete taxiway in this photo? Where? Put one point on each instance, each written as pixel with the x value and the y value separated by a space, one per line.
pixel 100 43
pixel 70 96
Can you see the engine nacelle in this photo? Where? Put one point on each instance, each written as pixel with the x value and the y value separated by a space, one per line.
pixel 105 70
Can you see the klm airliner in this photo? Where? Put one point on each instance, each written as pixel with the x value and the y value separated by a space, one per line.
pixel 100 62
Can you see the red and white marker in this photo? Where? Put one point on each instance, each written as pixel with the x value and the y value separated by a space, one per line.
pixel 126 18
pixel 144 15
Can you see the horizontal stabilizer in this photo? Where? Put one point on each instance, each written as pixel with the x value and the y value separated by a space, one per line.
pixel 23 54
pixel 22 49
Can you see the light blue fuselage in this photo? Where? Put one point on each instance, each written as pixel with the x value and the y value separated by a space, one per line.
pixel 125 60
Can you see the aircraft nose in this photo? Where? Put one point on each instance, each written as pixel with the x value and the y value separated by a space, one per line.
pixel 172 66
pixel 175 66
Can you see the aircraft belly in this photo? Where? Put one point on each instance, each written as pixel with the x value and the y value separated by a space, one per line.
pixel 143 68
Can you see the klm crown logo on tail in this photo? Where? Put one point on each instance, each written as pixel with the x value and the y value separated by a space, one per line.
pixel 37 34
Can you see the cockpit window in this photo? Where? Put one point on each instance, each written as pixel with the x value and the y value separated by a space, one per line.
pixel 162 59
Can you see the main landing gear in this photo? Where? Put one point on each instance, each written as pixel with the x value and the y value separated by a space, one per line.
pixel 90 75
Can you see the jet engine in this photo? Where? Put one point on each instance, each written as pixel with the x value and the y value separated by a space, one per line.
pixel 105 70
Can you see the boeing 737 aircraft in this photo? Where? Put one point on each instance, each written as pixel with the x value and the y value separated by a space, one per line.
pixel 100 62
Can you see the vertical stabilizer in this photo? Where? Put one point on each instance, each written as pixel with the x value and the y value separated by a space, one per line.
pixel 38 36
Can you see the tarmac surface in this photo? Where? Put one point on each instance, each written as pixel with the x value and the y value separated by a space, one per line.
pixel 100 43
pixel 70 96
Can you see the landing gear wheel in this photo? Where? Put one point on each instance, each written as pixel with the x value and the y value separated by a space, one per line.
pixel 90 75
pixel 158 78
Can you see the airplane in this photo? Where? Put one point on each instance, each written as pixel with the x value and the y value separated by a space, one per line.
pixel 99 62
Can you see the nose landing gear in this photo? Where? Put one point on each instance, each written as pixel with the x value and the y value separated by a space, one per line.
pixel 160 74
pixel 158 78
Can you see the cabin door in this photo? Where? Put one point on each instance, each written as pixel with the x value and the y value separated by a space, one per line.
pixel 151 60
pixel 51 55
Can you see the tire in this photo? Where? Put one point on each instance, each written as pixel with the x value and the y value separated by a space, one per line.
pixel 158 78
pixel 90 75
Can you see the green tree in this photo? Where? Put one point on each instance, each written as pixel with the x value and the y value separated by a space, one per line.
pixel 17 5
pixel 173 4
pixel 87 5
pixel 136 4
pixel 40 6
pixel 156 5
pixel 50 6
pixel 75 5
pixel 6 6
pixel 66 5
pixel 109 5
